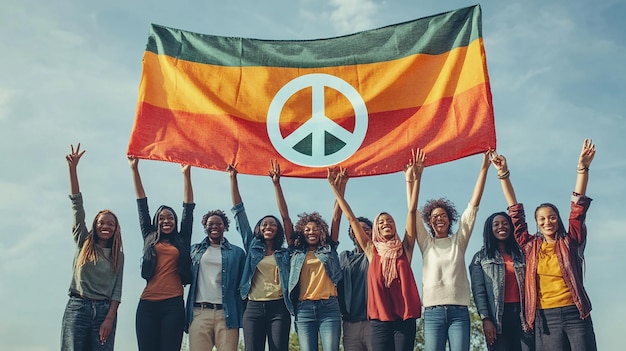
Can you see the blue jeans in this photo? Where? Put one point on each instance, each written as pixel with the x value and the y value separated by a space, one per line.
pixel 449 323
pixel 562 329
pixel 159 324
pixel 393 335
pixel 266 320
pixel 319 316
pixel 81 325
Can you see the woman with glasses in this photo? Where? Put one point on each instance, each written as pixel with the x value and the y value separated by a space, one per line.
pixel 446 290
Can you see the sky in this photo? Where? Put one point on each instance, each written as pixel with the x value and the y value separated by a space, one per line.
pixel 70 73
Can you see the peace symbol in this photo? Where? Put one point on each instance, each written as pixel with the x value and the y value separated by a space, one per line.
pixel 320 141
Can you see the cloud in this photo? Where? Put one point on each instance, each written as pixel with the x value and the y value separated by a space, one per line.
pixel 349 16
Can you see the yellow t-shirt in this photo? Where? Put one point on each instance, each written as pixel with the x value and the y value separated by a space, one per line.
pixel 314 282
pixel 265 284
pixel 553 292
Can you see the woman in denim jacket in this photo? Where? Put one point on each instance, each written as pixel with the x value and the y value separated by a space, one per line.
pixel 557 305
pixel 313 277
pixel 497 274
pixel 265 277
pixel 166 267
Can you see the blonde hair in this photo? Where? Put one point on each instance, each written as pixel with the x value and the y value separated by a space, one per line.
pixel 89 251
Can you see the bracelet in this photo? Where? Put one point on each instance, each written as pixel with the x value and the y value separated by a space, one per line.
pixel 504 175
pixel 582 170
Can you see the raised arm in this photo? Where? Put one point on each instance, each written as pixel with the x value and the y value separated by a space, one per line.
pixel 336 179
pixel 500 164
pixel 413 176
pixel 584 161
pixel 234 185
pixel 480 182
pixel 280 200
pixel 187 188
pixel 134 167
pixel 79 228
pixel 335 223
pixel 72 162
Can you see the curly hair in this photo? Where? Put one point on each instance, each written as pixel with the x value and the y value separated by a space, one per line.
pixel 89 251
pixel 218 213
pixel 447 206
pixel 304 219
pixel 279 238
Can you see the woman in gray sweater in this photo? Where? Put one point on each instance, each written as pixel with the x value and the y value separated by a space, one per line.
pixel 96 288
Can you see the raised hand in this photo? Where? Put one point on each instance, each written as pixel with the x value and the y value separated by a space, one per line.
pixel 274 171
pixel 185 169
pixel 586 155
pixel 232 169
pixel 74 156
pixel 499 162
pixel 133 162
pixel 415 165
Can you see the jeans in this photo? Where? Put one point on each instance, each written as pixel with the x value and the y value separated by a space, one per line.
pixel 81 325
pixel 449 323
pixel 393 335
pixel 319 316
pixel 562 329
pixel 357 336
pixel 266 320
pixel 513 337
pixel 159 324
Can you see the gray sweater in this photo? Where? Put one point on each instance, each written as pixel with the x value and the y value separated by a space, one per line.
pixel 93 281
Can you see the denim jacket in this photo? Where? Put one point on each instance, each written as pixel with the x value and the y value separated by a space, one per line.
pixel 255 251
pixel 232 267
pixel 326 254
pixel 487 275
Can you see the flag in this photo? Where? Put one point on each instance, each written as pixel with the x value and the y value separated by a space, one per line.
pixel 362 101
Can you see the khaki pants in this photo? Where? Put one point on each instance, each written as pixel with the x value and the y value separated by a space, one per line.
pixel 208 329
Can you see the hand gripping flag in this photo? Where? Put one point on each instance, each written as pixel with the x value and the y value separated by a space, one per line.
pixel 362 100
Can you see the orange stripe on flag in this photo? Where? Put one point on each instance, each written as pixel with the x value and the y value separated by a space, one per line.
pixel 447 129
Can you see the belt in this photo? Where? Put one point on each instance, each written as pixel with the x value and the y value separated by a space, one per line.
pixel 73 294
pixel 208 305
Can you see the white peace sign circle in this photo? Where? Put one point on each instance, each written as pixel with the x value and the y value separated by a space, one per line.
pixel 319 127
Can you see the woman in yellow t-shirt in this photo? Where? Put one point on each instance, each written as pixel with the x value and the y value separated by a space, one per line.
pixel 557 305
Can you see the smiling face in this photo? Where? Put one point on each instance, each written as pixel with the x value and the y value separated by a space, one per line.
pixel 386 226
pixel 547 221
pixel 215 229
pixel 166 221
pixel 106 225
pixel 312 234
pixel 501 228
pixel 439 222
pixel 268 228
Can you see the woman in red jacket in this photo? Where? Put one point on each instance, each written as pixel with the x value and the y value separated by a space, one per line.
pixel 557 305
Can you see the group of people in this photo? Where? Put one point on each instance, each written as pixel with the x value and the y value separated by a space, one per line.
pixel 528 289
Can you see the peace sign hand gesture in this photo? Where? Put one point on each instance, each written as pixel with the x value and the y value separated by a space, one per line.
pixel 74 156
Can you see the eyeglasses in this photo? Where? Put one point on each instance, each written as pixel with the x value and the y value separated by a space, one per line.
pixel 440 215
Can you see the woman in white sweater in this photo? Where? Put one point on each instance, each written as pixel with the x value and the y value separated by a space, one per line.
pixel 446 291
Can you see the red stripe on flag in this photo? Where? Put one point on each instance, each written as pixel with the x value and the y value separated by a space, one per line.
pixel 449 129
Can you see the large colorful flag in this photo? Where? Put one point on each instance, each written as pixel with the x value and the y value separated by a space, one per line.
pixel 362 101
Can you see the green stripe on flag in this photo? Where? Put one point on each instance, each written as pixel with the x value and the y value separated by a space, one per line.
pixel 435 35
